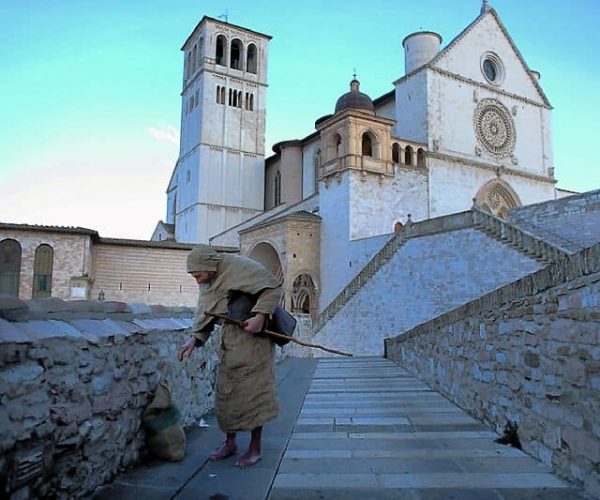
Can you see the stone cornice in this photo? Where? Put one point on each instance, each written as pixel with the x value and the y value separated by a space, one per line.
pixel 489 167
pixel 490 88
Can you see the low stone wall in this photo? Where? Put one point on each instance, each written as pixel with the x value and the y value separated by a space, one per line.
pixel 75 378
pixel 528 352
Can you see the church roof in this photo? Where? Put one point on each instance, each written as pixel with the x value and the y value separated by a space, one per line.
pixel 354 99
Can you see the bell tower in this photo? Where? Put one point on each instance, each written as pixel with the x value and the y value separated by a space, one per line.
pixel 218 180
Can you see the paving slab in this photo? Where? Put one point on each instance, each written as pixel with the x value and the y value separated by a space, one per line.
pixel 357 428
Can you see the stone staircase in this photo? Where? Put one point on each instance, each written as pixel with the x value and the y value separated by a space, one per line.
pixel 508 234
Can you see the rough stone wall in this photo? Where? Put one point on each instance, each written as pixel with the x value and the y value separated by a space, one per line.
pixel 139 274
pixel 574 218
pixel 72 257
pixel 425 277
pixel 528 352
pixel 75 378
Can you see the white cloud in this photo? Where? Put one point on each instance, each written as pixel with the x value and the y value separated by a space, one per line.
pixel 166 133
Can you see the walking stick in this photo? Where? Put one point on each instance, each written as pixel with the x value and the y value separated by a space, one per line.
pixel 278 335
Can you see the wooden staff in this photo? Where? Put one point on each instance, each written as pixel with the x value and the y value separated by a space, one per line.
pixel 278 335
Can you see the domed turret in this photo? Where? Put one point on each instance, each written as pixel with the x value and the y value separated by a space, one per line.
pixel 354 99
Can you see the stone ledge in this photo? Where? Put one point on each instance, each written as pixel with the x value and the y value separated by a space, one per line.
pixel 15 310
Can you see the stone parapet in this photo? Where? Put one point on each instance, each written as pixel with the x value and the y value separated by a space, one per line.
pixel 527 352
pixel 75 378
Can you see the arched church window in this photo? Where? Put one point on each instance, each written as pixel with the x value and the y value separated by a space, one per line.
pixel 42 271
pixel 367 145
pixel 277 189
pixel 396 153
pixel 188 65
pixel 194 58
pixel 10 267
pixel 235 61
pixel 239 100
pixel 420 157
pixel 251 65
pixel 221 50
pixel 251 102
pixel 316 166
pixel 231 97
pixel 408 155
pixel 222 95
pixel 303 294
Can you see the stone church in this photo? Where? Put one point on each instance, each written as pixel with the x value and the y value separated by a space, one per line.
pixel 468 124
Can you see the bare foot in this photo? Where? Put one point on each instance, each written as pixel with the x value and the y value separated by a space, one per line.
pixel 226 450
pixel 247 459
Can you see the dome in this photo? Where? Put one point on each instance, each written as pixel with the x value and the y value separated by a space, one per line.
pixel 354 99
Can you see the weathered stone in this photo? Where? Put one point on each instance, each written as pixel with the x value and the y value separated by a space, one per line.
pixel 13 309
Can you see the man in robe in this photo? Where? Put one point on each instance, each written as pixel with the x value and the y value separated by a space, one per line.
pixel 245 387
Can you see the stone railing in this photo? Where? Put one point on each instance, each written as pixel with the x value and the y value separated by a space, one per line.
pixel 499 229
pixel 524 241
pixel 528 352
pixel 75 378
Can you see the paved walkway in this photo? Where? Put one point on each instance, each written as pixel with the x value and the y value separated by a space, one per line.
pixel 356 428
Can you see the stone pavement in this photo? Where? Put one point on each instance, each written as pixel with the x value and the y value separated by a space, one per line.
pixel 356 428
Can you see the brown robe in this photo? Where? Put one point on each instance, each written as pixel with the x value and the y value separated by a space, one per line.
pixel 245 388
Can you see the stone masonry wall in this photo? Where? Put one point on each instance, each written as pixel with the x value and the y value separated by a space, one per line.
pixel 574 218
pixel 424 278
pixel 528 352
pixel 75 378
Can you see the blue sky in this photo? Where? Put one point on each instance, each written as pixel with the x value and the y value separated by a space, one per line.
pixel 90 106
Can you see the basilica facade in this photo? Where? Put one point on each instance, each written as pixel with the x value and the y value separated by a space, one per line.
pixel 468 124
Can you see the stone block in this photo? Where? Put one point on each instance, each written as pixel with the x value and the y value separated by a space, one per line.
pixel 12 333
pixel 38 330
pixel 13 309
pixel 582 443
pixel 47 305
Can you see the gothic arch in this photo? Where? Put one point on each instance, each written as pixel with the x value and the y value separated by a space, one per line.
pixel 303 294
pixel 267 255
pixel 335 146
pixel 221 50
pixel 370 144
pixel 497 198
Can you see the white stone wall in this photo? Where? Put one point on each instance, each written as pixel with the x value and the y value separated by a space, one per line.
pixel 387 110
pixel 463 183
pixel 335 233
pixel 411 101
pixel 377 204
pixel 426 277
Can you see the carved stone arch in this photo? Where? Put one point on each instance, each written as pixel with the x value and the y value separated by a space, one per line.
pixel 335 145
pixel 304 294
pixel 498 198
pixel 267 254
pixel 368 135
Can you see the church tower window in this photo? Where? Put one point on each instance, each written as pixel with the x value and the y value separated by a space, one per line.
pixel 367 145
pixel 236 54
pixel 194 58
pixel 42 271
pixel 317 165
pixel 221 50
pixel 251 65
pixel 408 155
pixel 10 267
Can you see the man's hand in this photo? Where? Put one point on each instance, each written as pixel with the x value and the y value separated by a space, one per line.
pixel 187 349
pixel 255 323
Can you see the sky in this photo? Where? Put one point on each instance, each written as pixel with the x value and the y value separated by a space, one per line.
pixel 90 90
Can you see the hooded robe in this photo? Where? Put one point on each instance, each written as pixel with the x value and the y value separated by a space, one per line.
pixel 245 386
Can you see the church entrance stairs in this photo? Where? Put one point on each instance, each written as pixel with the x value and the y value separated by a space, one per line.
pixel 357 428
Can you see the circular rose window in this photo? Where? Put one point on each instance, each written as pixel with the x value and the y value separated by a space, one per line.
pixel 494 127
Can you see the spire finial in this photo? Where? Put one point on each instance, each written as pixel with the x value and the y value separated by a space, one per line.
pixel 354 74
pixel 485 6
